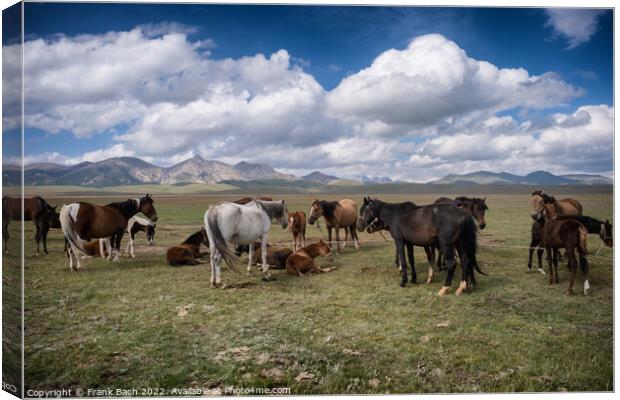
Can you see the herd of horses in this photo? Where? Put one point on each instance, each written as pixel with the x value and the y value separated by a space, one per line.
pixel 446 229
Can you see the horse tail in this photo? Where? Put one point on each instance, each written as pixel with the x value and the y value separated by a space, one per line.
pixel 217 239
pixel 583 240
pixel 67 224
pixel 470 244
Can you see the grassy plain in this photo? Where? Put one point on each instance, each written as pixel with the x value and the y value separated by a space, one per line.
pixel 142 324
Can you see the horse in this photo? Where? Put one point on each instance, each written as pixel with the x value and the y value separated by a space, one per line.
pixel 83 221
pixel 536 245
pixel 443 224
pixel 276 256
pixel 187 252
pixel 46 220
pixel 246 200
pixel 34 209
pixel 566 206
pixel 568 234
pixel 337 214
pixel 228 222
pixel 297 227
pixel 138 224
pixel 99 247
pixel 302 261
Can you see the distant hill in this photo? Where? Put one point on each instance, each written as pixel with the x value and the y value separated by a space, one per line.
pixel 541 178
pixel 319 177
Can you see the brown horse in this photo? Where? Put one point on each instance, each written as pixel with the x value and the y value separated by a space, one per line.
pixel 566 206
pixel 246 200
pixel 302 261
pixel 94 248
pixel 297 227
pixel 187 252
pixel 35 209
pixel 568 234
pixel 276 256
pixel 337 214
pixel 83 221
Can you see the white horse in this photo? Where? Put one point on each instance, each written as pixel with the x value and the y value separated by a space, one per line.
pixel 228 222
pixel 135 225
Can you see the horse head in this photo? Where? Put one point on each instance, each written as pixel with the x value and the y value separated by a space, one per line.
pixel 146 207
pixel 367 215
pixel 315 211
pixel 324 249
pixel 607 233
pixel 478 208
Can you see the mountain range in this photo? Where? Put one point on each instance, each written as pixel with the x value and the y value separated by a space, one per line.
pixel 120 171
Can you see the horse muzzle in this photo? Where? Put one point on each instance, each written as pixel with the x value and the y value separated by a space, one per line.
pixel 482 225
pixel 361 225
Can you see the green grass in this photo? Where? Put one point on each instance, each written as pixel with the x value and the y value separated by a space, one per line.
pixel 354 329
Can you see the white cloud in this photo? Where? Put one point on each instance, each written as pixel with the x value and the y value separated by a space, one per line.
pixel 433 81
pixel 577 25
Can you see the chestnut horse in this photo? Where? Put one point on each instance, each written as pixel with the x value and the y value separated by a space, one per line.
pixel 35 208
pixel 337 214
pixel 566 206
pixel 297 227
pixel 187 252
pixel 276 256
pixel 568 234
pixel 83 221
pixel 302 261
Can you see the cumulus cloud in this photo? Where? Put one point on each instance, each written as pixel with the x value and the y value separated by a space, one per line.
pixel 577 26
pixel 434 81
pixel 412 114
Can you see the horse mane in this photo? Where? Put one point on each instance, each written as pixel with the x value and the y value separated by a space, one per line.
pixel 328 208
pixel 195 238
pixel 127 207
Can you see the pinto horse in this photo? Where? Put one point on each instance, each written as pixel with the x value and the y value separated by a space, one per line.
pixel 83 221
pixel 337 214
pixel 138 224
pixel 444 224
pixel 228 222
pixel 36 209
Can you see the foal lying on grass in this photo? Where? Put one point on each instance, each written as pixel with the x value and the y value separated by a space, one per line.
pixel 276 256
pixel 302 261
pixel 188 252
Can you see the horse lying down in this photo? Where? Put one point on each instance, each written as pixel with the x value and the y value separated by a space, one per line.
pixel 100 247
pixel 276 256
pixel 302 261
pixel 188 252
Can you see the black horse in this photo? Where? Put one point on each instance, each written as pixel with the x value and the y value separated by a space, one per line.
pixel 444 225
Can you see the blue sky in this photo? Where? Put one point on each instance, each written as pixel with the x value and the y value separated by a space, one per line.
pixel 349 85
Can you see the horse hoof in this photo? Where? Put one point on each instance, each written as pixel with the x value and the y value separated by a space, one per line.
pixel 403 283
pixel 444 290
pixel 429 281
pixel 542 271
pixel 461 288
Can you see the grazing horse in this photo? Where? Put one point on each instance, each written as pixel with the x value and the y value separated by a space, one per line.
pixel 35 209
pixel 246 200
pixel 228 222
pixel 337 214
pixel 568 234
pixel 444 224
pixel 302 261
pixel 566 206
pixel 187 252
pixel 46 220
pixel 83 221
pixel 138 224
pixel 297 227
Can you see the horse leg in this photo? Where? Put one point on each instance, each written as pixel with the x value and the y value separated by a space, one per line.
pixel 572 264
pixel 5 232
pixel 396 261
pixel 251 257
pixel 263 249
pixel 540 252
pixel 448 254
pixel 337 239
pixel 550 263
pixel 583 265
pixel 466 271
pixel 329 236
pixel 37 235
pixel 116 245
pixel 414 276
pixel 400 248
pixel 346 237
pixel 430 255
pixel 556 256
pixel 354 235
pixel 131 244
pixel 44 237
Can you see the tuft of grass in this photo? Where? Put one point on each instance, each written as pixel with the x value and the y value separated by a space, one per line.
pixel 354 329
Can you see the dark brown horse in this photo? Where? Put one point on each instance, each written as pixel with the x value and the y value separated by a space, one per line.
pixel 46 220
pixel 188 252
pixel 246 200
pixel 337 214
pixel 36 209
pixel 83 222
pixel 568 234
pixel 302 261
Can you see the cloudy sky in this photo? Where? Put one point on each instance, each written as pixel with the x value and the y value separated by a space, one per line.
pixel 409 93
